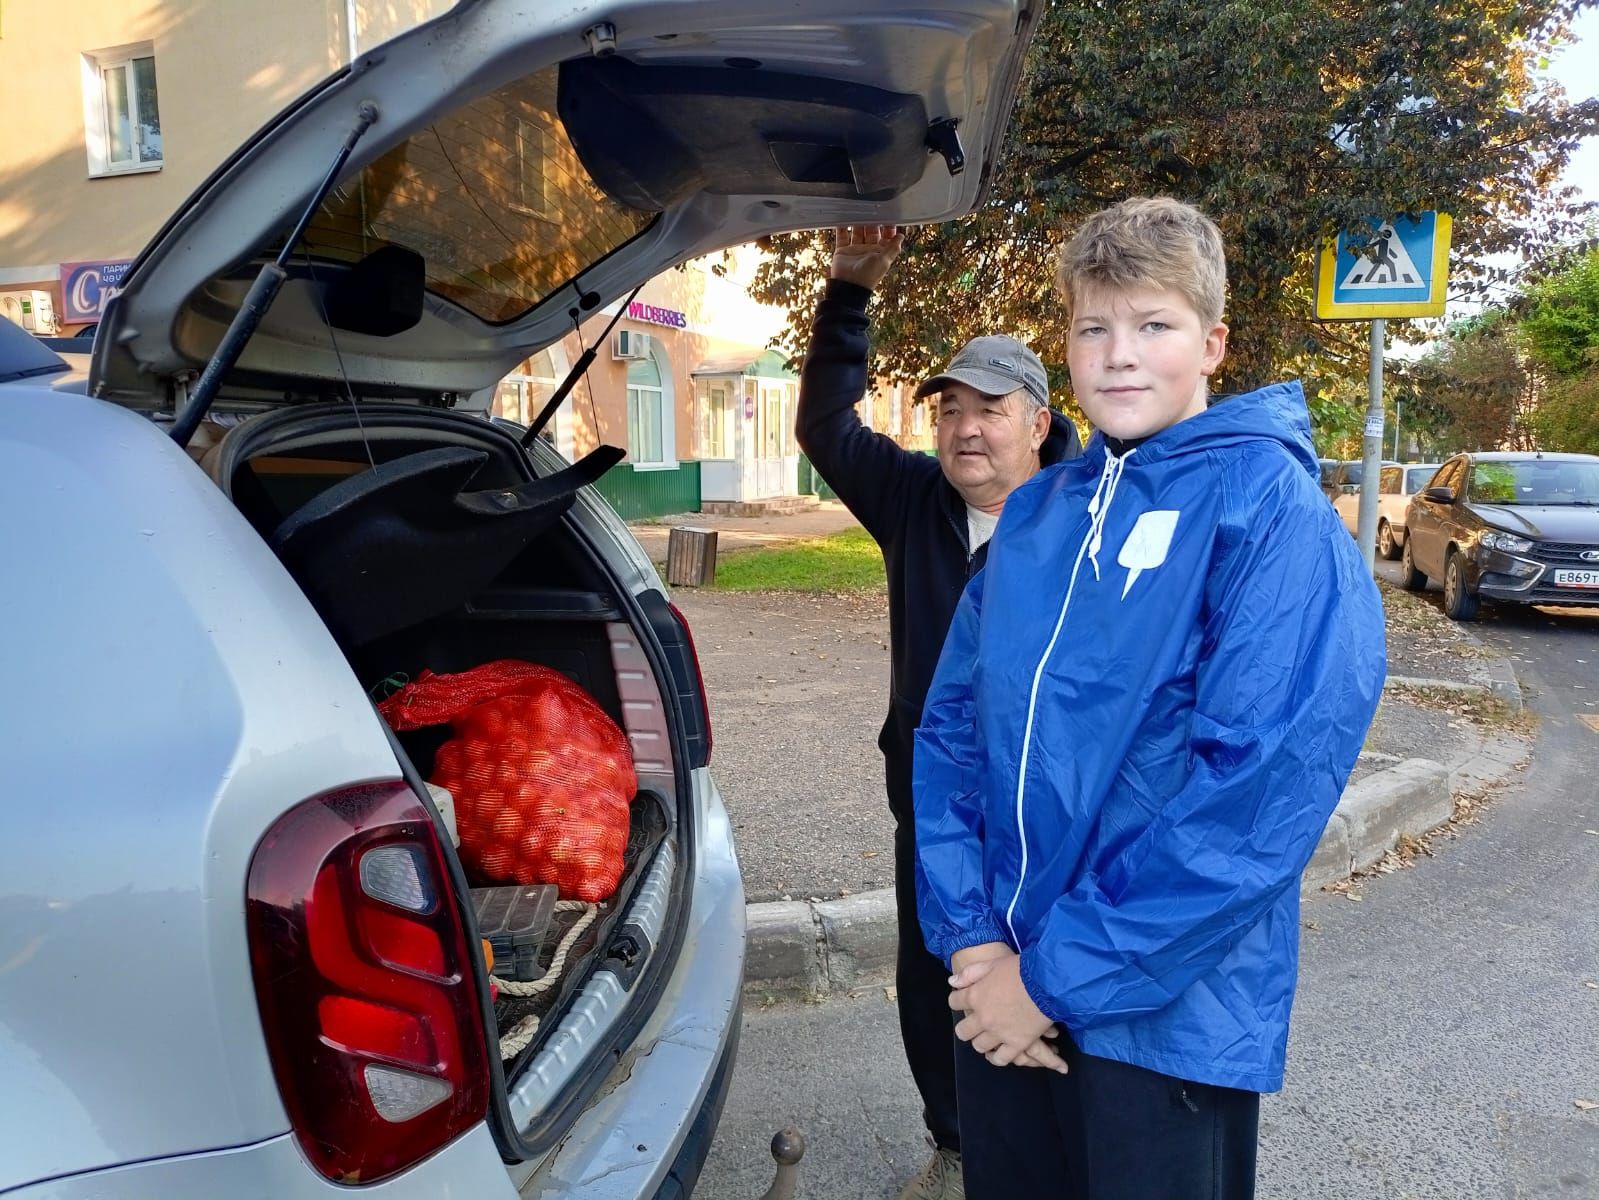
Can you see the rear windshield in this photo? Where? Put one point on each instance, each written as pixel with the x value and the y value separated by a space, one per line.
pixel 1536 481
pixel 492 196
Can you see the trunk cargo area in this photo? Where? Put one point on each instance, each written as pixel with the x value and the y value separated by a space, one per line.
pixel 548 602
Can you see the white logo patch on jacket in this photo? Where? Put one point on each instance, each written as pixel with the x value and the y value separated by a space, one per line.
pixel 1147 544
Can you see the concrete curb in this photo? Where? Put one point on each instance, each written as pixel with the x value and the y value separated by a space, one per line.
pixel 1374 813
pixel 1499 680
pixel 805 949
pixel 1498 672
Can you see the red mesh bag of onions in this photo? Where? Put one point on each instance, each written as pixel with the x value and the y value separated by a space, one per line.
pixel 541 775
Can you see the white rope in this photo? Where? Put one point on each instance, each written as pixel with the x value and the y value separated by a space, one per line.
pixel 522 1033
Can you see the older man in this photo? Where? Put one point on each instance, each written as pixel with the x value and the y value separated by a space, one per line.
pixel 932 519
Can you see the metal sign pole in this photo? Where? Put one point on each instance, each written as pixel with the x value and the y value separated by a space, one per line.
pixel 1371 473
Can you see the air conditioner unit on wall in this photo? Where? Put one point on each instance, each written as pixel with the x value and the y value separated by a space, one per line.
pixel 35 311
pixel 630 344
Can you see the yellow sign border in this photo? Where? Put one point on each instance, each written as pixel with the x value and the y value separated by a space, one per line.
pixel 1327 309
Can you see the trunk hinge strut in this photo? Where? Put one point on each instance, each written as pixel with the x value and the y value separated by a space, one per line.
pixel 262 292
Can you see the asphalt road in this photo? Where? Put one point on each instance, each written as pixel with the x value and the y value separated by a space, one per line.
pixel 1446 1029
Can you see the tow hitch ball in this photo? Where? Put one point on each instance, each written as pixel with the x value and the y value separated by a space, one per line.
pixel 788 1147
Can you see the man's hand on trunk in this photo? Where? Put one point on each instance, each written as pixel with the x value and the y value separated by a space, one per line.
pixel 863 253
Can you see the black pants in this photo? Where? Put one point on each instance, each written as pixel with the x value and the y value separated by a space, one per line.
pixel 926 1022
pixel 1105 1131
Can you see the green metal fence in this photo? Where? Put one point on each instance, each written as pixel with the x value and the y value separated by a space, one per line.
pixel 636 494
pixel 812 484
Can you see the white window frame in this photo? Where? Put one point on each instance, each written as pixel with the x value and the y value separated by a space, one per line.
pixel 521 383
pixel 97 134
pixel 668 403
pixel 533 138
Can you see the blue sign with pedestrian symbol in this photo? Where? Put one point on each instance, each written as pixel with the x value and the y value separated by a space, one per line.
pixel 1402 271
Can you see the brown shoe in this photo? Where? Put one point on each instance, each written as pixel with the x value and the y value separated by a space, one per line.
pixel 940 1179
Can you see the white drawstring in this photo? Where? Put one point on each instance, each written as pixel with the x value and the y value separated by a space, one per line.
pixel 1097 512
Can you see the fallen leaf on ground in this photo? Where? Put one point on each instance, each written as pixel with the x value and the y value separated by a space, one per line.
pixel 868 853
pixel 1586 1105
pixel 891 993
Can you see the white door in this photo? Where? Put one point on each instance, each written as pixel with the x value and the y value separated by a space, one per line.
pixel 778 461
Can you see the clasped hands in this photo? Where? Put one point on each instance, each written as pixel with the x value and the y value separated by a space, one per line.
pixel 1001 1021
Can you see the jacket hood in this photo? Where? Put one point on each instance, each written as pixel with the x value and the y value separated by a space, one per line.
pixel 1061 442
pixel 1276 412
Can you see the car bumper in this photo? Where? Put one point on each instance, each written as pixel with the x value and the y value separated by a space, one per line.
pixel 1515 579
pixel 1500 592
pixel 685 1172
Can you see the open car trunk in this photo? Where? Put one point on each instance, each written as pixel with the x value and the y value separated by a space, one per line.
pixel 427 545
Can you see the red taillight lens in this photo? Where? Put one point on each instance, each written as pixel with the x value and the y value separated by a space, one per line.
pixel 699 679
pixel 364 982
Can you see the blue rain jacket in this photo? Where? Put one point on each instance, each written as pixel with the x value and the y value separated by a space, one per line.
pixel 1144 714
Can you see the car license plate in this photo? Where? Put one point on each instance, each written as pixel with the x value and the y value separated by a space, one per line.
pixel 1577 579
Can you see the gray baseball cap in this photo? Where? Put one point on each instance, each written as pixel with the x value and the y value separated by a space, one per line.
pixel 995 365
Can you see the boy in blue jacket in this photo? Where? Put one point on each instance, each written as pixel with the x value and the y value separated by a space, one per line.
pixel 1144 714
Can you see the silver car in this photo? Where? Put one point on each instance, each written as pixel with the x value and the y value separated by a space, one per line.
pixel 239 951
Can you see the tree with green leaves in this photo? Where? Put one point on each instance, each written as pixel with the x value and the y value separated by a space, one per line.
pixel 1285 120
pixel 1561 332
pixel 1562 317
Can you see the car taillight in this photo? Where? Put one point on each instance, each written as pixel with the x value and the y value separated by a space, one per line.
pixel 699 680
pixel 364 982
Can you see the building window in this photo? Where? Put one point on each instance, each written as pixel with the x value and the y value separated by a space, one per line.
pixel 919 417
pixel 648 432
pixel 718 407
pixel 121 112
pixel 535 191
pixel 510 398
pixel 521 397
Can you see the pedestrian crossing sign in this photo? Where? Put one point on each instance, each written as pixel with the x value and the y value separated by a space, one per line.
pixel 1403 271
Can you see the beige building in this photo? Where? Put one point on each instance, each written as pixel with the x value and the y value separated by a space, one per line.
pixel 119 109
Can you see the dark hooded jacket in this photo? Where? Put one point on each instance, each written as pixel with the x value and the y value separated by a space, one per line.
pixel 904 502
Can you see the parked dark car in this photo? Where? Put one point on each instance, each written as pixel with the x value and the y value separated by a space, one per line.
pixel 1514 528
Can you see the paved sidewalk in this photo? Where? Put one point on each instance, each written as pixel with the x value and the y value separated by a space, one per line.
pixel 742 533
